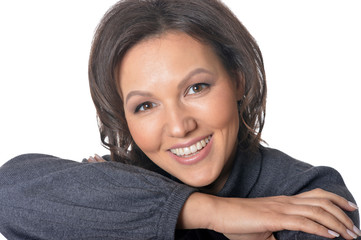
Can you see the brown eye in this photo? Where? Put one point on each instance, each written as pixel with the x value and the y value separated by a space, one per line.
pixel 147 106
pixel 144 106
pixel 196 88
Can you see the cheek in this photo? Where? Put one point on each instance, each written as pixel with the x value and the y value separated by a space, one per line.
pixel 145 133
pixel 221 112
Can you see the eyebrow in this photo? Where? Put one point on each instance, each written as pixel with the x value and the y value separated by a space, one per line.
pixel 180 85
pixel 139 93
pixel 191 74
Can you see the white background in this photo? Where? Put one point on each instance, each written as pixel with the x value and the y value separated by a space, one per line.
pixel 312 56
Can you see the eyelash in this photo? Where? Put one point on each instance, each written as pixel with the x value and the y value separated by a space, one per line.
pixel 202 85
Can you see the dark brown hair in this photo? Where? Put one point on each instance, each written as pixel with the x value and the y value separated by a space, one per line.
pixel 130 21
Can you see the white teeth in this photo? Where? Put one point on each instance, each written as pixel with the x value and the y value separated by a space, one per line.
pixel 199 146
pixel 186 151
pixel 191 149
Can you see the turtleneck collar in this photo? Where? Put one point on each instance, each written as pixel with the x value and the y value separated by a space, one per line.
pixel 244 175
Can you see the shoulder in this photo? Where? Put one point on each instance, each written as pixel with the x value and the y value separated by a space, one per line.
pixel 273 158
pixel 282 174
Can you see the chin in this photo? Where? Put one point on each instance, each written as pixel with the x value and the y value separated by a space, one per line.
pixel 199 182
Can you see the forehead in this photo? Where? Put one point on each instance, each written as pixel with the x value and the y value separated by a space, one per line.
pixel 166 57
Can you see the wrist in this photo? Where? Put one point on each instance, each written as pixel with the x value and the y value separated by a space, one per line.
pixel 197 212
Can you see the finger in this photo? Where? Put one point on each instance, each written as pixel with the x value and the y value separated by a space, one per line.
pixel 323 217
pixel 329 207
pixel 338 200
pixel 98 158
pixel 91 159
pixel 299 223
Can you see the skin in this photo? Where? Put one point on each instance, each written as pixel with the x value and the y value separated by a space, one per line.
pixel 184 95
pixel 166 106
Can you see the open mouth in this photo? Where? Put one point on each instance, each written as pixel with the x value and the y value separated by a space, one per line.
pixel 191 150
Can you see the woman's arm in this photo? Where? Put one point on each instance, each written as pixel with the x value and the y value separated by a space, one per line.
pixel 316 212
pixel 44 197
pixel 289 181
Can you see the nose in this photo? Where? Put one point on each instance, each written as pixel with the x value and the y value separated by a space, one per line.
pixel 179 122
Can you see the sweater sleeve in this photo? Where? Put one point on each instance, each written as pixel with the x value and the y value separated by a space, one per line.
pixel 44 197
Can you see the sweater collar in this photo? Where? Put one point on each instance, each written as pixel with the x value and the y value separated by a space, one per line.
pixel 245 171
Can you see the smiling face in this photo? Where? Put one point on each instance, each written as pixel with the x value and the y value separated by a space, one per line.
pixel 181 107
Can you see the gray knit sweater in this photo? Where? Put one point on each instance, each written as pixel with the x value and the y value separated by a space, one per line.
pixel 45 197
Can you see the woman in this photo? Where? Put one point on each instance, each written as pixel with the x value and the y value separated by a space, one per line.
pixel 179 88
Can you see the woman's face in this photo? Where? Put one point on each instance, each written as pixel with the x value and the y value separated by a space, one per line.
pixel 181 107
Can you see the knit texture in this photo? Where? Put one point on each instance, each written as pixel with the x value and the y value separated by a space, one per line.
pixel 45 197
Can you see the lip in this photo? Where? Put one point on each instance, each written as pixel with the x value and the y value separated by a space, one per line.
pixel 190 143
pixel 194 158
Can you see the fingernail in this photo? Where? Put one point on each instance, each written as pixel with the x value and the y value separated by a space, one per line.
pixel 352 205
pixel 335 234
pixel 356 230
pixel 351 234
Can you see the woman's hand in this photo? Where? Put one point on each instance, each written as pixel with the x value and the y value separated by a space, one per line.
pixel 316 212
pixel 96 158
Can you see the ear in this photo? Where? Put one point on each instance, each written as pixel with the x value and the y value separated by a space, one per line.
pixel 240 85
